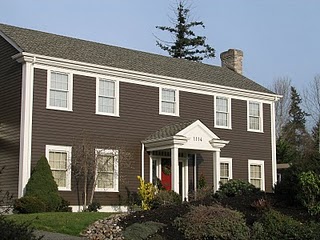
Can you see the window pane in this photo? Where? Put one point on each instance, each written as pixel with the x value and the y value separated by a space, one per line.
pixel 254 123
pixel 106 105
pixel 222 119
pixel 106 171
pixel 224 170
pixel 254 109
pixel 58 98
pixel 168 95
pixel 106 88
pixel 105 180
pixel 59 81
pixel 255 171
pixel 168 107
pixel 224 180
pixel 222 104
pixel 60 177
pixel 256 182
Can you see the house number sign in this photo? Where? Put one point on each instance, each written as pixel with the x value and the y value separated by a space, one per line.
pixel 197 139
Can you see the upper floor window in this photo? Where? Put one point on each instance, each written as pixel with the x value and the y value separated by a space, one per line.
pixel 225 170
pixel 59 159
pixel 255 120
pixel 169 101
pixel 256 173
pixel 59 91
pixel 222 112
pixel 107 170
pixel 107 97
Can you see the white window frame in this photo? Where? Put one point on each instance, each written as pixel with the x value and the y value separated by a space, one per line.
pixel 176 103
pixel 115 153
pixel 228 113
pixel 69 92
pixel 64 149
pixel 116 97
pixel 260 163
pixel 229 162
pixel 260 117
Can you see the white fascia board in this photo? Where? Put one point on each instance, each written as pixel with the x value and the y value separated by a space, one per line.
pixel 148 79
pixel 10 41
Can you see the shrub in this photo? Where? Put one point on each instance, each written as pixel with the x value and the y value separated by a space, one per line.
pixel 146 192
pixel 138 231
pixel 213 222
pixel 93 207
pixel 10 230
pixel 235 187
pixel 29 204
pixel 164 197
pixel 42 185
pixel 309 194
pixel 274 225
pixel 64 206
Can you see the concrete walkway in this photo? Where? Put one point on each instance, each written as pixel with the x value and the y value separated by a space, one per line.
pixel 56 236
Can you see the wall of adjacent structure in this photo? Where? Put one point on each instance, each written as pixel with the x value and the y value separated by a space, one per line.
pixel 10 109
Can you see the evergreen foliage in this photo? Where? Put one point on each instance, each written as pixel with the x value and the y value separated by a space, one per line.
pixel 186 45
pixel 43 186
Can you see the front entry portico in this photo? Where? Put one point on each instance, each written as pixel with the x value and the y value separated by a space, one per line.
pixel 179 138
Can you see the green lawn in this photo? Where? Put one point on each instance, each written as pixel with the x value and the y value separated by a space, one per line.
pixel 61 222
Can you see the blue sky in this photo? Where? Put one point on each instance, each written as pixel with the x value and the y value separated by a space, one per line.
pixel 278 38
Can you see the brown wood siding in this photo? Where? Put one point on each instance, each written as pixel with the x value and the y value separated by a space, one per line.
pixel 139 117
pixel 10 109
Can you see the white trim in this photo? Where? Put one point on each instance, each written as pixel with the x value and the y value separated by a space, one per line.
pixel 65 149
pixel 116 104
pixel 136 77
pixel 176 102
pixel 195 180
pixel 106 208
pixel 260 130
pixel 229 162
pixel 273 144
pixel 229 123
pixel 115 154
pixel 260 163
pixel 25 127
pixel 70 89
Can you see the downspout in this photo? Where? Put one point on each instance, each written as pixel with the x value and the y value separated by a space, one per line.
pixel 142 160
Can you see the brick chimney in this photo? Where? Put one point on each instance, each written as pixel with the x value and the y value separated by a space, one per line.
pixel 232 59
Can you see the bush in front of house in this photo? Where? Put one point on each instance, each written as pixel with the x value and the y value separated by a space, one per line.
pixel 10 230
pixel 164 197
pixel 29 204
pixel 213 222
pixel 236 187
pixel 274 225
pixel 43 186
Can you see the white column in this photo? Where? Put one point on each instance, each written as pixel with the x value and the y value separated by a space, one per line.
pixel 151 167
pixel 175 169
pixel 195 172
pixel 186 178
pixel 216 169
pixel 25 127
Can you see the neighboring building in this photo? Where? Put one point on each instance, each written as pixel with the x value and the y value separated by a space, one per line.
pixel 175 118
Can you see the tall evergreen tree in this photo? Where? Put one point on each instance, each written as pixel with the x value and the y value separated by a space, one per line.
pixel 316 136
pixel 186 45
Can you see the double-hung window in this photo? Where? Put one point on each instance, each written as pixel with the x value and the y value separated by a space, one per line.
pixel 59 159
pixel 255 121
pixel 225 170
pixel 107 170
pixel 222 112
pixel 256 173
pixel 107 97
pixel 59 90
pixel 169 101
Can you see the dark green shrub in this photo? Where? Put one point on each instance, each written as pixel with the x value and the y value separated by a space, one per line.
pixel 213 222
pixel 64 206
pixel 42 185
pixel 138 231
pixel 236 187
pixel 10 230
pixel 29 205
pixel 164 197
pixel 94 207
pixel 274 225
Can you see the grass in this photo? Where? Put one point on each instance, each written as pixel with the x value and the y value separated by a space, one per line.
pixel 61 222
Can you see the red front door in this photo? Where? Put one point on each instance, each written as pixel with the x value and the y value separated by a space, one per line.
pixel 166 173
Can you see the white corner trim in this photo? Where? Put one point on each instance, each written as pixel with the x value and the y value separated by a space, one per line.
pixel 25 127
pixel 273 144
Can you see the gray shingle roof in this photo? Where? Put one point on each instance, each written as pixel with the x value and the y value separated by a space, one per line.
pixel 170 130
pixel 58 46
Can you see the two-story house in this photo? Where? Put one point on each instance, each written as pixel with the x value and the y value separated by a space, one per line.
pixel 175 118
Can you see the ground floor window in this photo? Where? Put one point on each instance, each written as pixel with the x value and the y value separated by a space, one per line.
pixel 59 159
pixel 107 170
pixel 256 173
pixel 225 170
